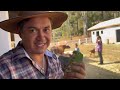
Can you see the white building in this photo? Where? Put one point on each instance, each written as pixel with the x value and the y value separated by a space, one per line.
pixel 6 42
pixel 108 30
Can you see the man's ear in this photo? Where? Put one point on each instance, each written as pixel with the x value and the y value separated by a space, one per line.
pixel 17 29
pixel 19 32
pixel 20 35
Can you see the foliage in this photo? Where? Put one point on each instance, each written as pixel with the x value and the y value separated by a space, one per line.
pixel 77 56
pixel 67 61
pixel 79 21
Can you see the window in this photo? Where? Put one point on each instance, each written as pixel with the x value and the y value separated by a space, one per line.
pixel 97 33
pixel 101 32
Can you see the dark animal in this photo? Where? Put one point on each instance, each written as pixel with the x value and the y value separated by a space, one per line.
pixel 92 52
pixel 59 50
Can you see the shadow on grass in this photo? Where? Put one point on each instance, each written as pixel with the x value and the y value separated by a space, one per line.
pixel 96 57
pixel 95 72
pixel 112 62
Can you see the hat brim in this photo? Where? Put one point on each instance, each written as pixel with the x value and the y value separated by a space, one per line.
pixel 57 19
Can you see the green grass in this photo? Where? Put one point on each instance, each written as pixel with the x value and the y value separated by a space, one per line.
pixel 111 52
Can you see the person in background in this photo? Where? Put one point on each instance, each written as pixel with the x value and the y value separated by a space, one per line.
pixel 76 47
pixel 99 48
pixel 31 59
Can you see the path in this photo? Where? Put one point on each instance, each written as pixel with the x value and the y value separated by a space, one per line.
pixel 106 71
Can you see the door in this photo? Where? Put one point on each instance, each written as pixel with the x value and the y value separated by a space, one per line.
pixel 97 33
pixel 118 35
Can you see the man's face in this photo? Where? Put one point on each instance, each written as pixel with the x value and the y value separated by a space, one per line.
pixel 36 35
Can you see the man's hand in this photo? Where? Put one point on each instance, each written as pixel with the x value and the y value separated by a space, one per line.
pixel 73 66
pixel 77 71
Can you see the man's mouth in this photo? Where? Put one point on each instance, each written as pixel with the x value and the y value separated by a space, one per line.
pixel 40 44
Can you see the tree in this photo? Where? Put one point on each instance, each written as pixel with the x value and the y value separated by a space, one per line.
pixel 84 17
pixel 79 21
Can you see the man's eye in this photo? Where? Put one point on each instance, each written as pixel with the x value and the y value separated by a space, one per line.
pixel 33 30
pixel 46 30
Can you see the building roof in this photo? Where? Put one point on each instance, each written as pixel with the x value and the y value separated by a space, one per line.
pixel 106 24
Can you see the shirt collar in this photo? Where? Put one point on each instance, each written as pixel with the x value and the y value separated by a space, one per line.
pixel 47 53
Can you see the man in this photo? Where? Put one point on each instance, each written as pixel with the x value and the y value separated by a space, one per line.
pixel 31 59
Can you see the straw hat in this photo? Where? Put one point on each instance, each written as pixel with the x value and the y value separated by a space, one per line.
pixel 57 18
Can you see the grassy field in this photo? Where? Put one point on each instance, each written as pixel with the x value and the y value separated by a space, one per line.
pixel 111 52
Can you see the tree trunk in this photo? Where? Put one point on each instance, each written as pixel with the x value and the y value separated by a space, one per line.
pixel 85 23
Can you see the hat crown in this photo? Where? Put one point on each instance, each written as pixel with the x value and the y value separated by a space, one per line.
pixel 57 19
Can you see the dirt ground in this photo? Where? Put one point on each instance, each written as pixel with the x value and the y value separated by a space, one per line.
pixel 111 67
pixel 109 70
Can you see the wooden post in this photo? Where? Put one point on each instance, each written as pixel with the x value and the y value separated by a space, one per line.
pixel 86 40
pixel 79 42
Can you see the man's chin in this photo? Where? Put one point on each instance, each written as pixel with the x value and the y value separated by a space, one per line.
pixel 40 52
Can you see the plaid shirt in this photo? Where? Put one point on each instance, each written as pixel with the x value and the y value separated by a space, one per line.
pixel 16 65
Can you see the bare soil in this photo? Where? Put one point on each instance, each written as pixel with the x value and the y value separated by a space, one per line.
pixel 109 70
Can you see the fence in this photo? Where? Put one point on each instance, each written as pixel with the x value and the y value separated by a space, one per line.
pixel 81 41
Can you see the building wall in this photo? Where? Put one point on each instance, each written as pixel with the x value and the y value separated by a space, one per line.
pixel 5 39
pixel 17 39
pixel 108 34
pixel 93 36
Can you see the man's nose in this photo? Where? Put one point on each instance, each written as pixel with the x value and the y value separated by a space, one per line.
pixel 40 36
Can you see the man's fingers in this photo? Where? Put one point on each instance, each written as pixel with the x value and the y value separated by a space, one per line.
pixel 74 75
pixel 78 69
pixel 81 64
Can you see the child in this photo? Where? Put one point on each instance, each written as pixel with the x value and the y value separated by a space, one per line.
pixel 76 47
